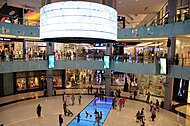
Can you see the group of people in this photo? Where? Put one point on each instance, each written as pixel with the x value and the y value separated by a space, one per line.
pixel 140 117
pixel 118 101
pixel 66 102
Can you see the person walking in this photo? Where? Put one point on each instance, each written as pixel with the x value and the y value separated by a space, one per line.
pixel 63 98
pixel 153 116
pixel 91 89
pixel 157 105
pixel 64 107
pixel 60 120
pixel 39 109
pixel 120 104
pixel 148 97
pixel 73 99
pixel 80 99
pixel 88 90
pixel 135 94
pixel 78 118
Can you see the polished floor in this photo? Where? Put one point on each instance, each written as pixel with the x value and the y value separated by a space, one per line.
pixel 24 113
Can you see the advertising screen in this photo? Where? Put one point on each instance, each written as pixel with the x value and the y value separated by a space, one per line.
pixel 51 61
pixel 180 90
pixel 163 66
pixel 106 62
pixel 78 19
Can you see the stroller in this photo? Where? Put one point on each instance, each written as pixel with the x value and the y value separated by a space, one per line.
pixel 68 112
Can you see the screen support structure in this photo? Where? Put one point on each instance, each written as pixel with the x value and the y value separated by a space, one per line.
pixel 49 72
pixel 108 71
pixel 111 3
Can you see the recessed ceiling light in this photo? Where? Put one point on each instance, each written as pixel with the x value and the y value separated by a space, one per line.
pixel 119 2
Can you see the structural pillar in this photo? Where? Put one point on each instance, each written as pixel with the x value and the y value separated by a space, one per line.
pixel 24 50
pixel 108 71
pixel 111 3
pixel 49 72
pixel 168 92
pixel 171 44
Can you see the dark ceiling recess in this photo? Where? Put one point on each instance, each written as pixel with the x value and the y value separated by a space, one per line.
pixel 6 10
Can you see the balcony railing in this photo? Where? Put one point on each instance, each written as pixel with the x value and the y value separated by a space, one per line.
pixel 115 58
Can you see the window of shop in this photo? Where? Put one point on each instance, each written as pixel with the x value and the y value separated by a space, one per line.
pixel 21 81
pixel 33 80
pixel 57 78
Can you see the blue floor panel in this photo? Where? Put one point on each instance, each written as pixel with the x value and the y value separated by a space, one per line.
pixel 100 106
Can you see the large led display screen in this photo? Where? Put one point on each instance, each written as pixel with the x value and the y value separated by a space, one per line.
pixel 78 19
pixel 180 90
pixel 163 66
pixel 106 62
pixel 51 61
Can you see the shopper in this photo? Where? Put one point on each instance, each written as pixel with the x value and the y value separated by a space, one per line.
pixel 39 108
pixel 73 99
pixel 78 118
pixel 101 115
pixel 148 97
pixel 60 120
pixel 88 90
pixel 120 104
pixel 138 116
pixel 63 97
pixel 157 105
pixel 64 107
pixel 94 103
pixel 80 99
pixel 153 116
pixel 142 115
pixel 91 89
pixel 135 94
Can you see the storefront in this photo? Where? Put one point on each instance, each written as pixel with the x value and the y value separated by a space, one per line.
pixel 11 48
pixel 58 77
pixel 29 81
pixel 35 50
pixel 152 84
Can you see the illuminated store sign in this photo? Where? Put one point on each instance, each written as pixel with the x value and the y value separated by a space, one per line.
pixel 78 19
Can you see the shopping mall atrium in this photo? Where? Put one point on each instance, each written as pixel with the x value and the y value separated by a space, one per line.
pixel 94 63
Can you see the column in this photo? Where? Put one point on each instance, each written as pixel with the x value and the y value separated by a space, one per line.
pixel 171 44
pixel 172 6
pixel 108 71
pixel 49 72
pixel 168 92
pixel 111 3
pixel 24 50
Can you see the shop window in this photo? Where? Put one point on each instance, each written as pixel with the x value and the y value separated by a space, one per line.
pixel 33 82
pixel 57 81
pixel 21 84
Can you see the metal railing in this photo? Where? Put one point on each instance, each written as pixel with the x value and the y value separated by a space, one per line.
pixel 115 58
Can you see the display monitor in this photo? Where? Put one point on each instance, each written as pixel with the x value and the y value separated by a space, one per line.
pixel 180 90
pixel 163 66
pixel 51 61
pixel 106 62
pixel 78 19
